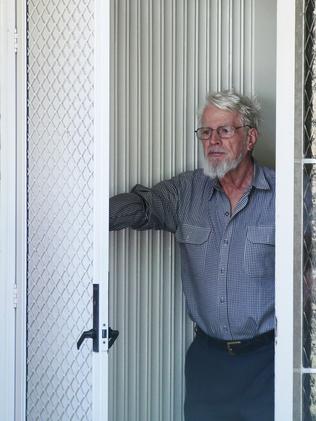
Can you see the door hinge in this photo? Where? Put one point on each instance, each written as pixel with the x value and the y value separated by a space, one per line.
pixel 15 296
pixel 15 40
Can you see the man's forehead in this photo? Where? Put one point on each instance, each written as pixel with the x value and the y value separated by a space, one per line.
pixel 211 111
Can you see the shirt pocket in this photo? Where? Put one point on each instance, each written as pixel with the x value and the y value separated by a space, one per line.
pixel 193 242
pixel 259 256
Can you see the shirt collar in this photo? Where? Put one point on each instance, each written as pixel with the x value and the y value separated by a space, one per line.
pixel 259 180
pixel 214 185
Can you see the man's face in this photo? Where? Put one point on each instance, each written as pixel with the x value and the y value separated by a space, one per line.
pixel 223 155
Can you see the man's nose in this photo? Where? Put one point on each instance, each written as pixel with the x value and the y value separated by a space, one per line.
pixel 214 138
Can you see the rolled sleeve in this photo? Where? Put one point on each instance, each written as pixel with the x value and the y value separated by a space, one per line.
pixel 127 210
pixel 146 208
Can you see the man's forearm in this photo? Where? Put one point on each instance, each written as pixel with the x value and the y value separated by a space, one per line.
pixel 127 210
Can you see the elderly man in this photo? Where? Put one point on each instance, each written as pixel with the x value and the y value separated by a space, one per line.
pixel 223 220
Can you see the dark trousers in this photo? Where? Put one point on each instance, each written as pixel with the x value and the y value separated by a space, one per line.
pixel 224 387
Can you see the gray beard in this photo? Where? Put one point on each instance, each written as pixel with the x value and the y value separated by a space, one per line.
pixel 222 168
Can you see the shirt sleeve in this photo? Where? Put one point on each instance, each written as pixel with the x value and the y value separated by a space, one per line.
pixel 146 208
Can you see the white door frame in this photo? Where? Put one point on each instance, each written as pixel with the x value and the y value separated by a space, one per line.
pixel 7 207
pixel 101 202
pixel 13 206
pixel 286 91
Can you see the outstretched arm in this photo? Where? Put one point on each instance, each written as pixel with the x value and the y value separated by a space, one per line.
pixel 146 208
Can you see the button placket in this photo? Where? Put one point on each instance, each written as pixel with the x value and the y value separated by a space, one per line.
pixel 222 278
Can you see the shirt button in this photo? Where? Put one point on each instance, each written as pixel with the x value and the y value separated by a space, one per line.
pixel 222 300
pixel 225 329
pixel 226 213
pixel 225 242
pixel 222 270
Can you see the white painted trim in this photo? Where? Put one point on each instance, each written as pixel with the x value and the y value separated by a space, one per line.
pixel 7 208
pixel 309 161
pixel 21 222
pixel 101 194
pixel 306 370
pixel 285 89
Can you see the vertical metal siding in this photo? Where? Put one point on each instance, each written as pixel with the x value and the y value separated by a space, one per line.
pixel 166 54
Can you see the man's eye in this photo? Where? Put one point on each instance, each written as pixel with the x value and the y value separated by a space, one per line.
pixel 225 130
pixel 205 132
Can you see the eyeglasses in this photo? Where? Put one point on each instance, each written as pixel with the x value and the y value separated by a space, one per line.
pixel 224 132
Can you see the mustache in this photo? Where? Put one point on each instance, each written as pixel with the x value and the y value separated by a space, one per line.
pixel 215 150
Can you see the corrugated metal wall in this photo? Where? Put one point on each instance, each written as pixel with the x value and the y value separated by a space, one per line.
pixel 166 54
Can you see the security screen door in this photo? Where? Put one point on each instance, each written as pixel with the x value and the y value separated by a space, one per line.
pixel 66 223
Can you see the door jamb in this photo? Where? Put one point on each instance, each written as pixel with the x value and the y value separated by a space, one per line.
pixel 101 202
pixel 285 159
pixel 9 294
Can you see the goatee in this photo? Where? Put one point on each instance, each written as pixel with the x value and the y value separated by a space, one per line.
pixel 219 169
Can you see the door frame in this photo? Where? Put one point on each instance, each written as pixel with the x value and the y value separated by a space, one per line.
pixel 289 102
pixel 8 291
pixel 101 201
pixel 12 204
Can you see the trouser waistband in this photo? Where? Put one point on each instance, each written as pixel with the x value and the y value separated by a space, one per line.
pixel 235 347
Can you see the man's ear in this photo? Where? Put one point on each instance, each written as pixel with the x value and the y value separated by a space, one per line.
pixel 252 137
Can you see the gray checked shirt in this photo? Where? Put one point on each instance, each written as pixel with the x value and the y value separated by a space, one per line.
pixel 227 260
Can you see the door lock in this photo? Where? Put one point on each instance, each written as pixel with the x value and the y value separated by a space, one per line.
pixel 113 335
pixel 93 333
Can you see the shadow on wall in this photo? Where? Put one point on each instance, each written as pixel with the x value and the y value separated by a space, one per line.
pixel 265 147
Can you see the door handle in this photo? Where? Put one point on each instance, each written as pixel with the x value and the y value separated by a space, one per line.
pixel 113 335
pixel 87 334
pixel 93 333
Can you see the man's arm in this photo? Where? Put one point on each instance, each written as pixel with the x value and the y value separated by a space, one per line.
pixel 146 208
pixel 127 210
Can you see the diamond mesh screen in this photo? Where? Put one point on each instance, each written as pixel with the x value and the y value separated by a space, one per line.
pixel 309 265
pixel 60 208
pixel 309 211
pixel 309 397
pixel 310 81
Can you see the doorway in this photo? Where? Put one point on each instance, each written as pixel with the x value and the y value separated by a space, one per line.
pixel 165 55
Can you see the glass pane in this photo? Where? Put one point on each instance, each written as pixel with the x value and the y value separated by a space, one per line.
pixel 60 213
